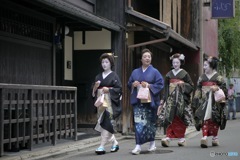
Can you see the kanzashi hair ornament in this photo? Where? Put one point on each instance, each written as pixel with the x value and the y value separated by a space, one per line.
pixel 210 59
pixel 179 56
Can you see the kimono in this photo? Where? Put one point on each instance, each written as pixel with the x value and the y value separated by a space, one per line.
pixel 176 112
pixel 111 108
pixel 145 114
pixel 204 104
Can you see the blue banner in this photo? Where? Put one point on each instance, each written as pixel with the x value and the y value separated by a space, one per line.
pixel 223 8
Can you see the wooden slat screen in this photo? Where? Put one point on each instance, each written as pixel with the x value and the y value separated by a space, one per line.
pixel 36 114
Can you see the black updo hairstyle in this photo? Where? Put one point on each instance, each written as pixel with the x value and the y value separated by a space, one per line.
pixel 181 57
pixel 110 57
pixel 213 61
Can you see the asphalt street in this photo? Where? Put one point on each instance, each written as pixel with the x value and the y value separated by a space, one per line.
pixel 229 149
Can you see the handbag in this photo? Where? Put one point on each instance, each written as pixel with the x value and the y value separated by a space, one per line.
pixel 143 93
pixel 99 101
pixel 219 95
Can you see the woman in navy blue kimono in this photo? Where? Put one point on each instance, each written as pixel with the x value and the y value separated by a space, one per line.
pixel 145 111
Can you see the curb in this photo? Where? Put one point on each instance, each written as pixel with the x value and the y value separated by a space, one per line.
pixel 57 150
pixel 76 146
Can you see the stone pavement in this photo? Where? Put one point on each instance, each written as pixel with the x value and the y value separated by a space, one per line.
pixel 43 152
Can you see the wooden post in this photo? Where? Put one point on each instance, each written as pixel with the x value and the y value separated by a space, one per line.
pixel 44 111
pixel 30 97
pixel 60 114
pixel 1 121
pixel 24 120
pixel 17 118
pixel 127 108
pixel 54 118
pixel 75 114
pixel 37 114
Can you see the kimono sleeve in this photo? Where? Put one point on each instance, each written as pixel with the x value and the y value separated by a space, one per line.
pixel 115 94
pixel 197 95
pixel 116 90
pixel 188 85
pixel 131 80
pixel 222 84
pixel 158 83
pixel 166 88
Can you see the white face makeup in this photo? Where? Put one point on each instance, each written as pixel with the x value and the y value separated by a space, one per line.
pixel 146 59
pixel 106 65
pixel 206 67
pixel 176 63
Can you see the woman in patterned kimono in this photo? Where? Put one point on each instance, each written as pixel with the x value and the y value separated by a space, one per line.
pixel 209 114
pixel 145 111
pixel 109 84
pixel 175 108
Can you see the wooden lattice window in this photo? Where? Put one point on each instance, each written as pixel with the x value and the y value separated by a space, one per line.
pixel 17 23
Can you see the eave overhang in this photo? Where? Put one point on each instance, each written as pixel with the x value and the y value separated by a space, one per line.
pixel 78 13
pixel 160 29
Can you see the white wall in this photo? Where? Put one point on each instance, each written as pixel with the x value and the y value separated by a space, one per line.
pixel 93 40
pixel 68 51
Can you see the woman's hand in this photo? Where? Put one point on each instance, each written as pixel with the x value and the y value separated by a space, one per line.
pixel 144 84
pixel 97 84
pixel 135 83
pixel 95 87
pixel 105 90
pixel 214 88
pixel 180 83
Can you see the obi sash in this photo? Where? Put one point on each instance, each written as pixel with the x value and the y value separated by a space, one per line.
pixel 175 80
pixel 206 86
pixel 173 84
pixel 209 83
pixel 104 86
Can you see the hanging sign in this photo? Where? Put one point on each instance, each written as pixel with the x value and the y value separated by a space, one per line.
pixel 223 8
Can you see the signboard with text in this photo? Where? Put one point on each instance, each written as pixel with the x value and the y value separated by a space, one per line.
pixel 223 8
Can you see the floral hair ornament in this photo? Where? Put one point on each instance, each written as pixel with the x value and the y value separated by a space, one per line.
pixel 110 54
pixel 210 58
pixel 179 56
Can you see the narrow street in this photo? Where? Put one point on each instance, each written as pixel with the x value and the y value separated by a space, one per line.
pixel 229 149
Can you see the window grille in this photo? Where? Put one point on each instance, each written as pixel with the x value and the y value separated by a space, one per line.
pixel 17 23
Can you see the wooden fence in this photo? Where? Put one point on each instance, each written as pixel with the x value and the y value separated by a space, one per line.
pixel 32 114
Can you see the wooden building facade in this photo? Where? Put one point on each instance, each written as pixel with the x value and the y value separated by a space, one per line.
pixel 48 45
pixel 58 43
